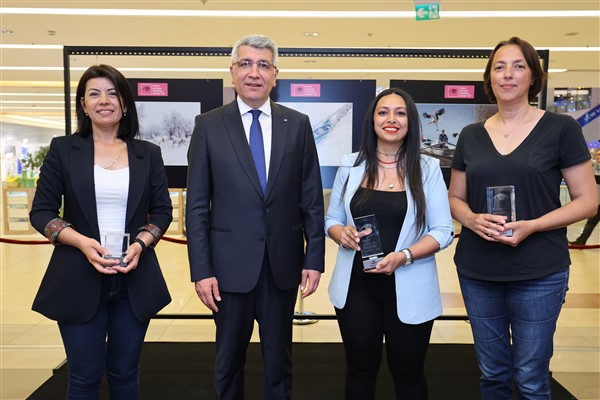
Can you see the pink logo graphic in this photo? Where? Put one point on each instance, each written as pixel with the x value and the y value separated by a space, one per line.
pixel 459 92
pixel 305 90
pixel 153 89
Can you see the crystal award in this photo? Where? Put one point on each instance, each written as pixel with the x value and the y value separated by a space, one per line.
pixel 370 245
pixel 116 244
pixel 501 201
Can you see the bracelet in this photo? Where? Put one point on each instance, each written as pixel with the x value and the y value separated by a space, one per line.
pixel 141 243
pixel 341 245
pixel 409 257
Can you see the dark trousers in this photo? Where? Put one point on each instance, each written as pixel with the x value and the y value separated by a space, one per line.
pixel 111 341
pixel 273 309
pixel 588 228
pixel 369 315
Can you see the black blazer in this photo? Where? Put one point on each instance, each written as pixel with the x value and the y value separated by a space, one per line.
pixel 70 289
pixel 228 219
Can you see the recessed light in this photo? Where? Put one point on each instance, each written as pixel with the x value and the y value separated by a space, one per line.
pixel 572 34
pixel 311 34
pixel 6 31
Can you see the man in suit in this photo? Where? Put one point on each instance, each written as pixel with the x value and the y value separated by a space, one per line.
pixel 254 220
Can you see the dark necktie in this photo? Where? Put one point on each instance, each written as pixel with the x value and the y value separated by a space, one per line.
pixel 258 149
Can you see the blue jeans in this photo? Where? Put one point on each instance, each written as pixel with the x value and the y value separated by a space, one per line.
pixel 112 341
pixel 513 325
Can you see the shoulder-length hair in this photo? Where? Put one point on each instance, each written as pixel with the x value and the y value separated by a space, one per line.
pixel 409 154
pixel 538 75
pixel 129 125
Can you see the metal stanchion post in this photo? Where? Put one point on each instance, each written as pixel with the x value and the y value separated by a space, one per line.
pixel 298 315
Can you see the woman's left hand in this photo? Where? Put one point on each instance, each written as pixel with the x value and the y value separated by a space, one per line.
pixel 521 230
pixel 134 251
pixel 389 264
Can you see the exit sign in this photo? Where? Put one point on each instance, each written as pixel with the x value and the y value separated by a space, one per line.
pixel 427 11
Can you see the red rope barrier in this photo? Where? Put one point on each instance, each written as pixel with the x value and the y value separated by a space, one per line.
pixel 184 241
pixel 17 241
pixel 45 241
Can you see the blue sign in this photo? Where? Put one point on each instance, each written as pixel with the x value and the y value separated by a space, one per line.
pixel 589 116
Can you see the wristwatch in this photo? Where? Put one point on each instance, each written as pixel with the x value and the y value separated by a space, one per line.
pixel 409 257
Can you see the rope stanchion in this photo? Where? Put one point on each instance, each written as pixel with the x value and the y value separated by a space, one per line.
pixel 174 240
pixel 19 241
pixel 320 317
pixel 584 246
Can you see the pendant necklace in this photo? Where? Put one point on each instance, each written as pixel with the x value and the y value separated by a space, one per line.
pixel 506 134
pixel 116 159
pixel 385 179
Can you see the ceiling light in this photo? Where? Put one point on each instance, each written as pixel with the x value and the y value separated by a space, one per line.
pixel 297 14
pixel 301 70
pixel 24 94
pixel 311 34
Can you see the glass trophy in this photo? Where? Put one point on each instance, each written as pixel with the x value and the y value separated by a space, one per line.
pixel 501 201
pixel 370 245
pixel 116 244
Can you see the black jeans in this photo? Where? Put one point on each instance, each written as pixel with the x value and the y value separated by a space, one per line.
pixel 369 315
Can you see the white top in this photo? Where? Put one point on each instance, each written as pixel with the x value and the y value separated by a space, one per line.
pixel 112 189
pixel 265 125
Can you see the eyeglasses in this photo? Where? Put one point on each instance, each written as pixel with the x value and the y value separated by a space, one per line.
pixel 261 64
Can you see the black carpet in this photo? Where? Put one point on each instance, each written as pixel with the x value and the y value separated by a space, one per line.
pixel 184 371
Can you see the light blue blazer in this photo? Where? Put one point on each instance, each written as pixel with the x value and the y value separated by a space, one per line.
pixel 417 287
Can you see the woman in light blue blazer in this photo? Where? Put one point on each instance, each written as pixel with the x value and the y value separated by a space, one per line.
pixel 399 297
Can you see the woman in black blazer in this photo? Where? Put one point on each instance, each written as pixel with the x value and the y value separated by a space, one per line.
pixel 105 181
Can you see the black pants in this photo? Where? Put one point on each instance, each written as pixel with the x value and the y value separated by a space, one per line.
pixel 588 228
pixel 273 309
pixel 370 315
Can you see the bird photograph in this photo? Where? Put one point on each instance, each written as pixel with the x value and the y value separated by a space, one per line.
pixel 435 118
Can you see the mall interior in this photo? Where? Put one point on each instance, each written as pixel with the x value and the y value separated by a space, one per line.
pixel 43 52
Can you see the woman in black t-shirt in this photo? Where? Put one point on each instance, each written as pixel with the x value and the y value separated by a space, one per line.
pixel 513 268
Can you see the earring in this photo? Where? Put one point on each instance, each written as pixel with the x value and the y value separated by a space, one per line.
pixel 86 114
pixel 125 114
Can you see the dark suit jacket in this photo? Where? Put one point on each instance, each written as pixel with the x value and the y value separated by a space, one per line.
pixel 70 289
pixel 229 221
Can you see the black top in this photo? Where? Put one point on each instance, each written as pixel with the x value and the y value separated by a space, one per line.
pixel 389 209
pixel 534 168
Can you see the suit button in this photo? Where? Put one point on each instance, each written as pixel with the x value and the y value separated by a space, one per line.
pixel 266 210
pixel 261 239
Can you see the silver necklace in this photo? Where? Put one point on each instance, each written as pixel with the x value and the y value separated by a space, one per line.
pixel 116 159
pixel 506 134
pixel 391 185
pixel 385 154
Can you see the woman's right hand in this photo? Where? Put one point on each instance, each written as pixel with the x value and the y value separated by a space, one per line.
pixel 94 253
pixel 487 226
pixel 349 238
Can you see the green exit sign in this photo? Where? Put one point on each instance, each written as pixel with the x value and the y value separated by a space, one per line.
pixel 427 11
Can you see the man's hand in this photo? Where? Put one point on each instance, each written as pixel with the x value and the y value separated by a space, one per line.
pixel 208 292
pixel 310 282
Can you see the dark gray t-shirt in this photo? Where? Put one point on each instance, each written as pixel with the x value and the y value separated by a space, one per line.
pixel 534 168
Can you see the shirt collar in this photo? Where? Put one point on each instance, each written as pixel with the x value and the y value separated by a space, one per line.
pixel 244 108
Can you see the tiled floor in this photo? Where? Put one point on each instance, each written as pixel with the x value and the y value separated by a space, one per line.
pixel 30 346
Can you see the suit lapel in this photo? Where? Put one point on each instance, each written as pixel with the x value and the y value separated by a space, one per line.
pixel 279 136
pixel 137 182
pixel 237 136
pixel 82 176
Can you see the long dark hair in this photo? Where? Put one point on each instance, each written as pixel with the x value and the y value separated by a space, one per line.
pixel 409 154
pixel 129 125
pixel 538 75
